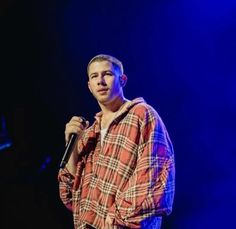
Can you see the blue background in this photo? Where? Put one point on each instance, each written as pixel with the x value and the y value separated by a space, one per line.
pixel 180 56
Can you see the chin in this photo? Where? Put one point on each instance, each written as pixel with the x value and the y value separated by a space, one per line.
pixel 104 100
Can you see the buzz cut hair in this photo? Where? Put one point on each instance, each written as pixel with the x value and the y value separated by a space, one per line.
pixel 117 64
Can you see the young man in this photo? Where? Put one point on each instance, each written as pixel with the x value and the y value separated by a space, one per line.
pixel 121 173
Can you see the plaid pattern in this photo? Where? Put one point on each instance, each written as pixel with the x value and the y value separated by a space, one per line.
pixel 131 176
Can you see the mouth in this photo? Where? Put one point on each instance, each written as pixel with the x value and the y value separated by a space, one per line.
pixel 102 90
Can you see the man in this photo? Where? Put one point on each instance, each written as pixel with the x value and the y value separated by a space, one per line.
pixel 121 173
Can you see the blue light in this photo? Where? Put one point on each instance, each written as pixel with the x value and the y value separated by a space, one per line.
pixel 5 145
pixel 45 163
pixel 5 142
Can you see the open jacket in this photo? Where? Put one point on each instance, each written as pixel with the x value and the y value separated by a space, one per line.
pixel 131 176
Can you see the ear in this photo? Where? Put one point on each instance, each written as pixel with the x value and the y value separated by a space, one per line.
pixel 123 80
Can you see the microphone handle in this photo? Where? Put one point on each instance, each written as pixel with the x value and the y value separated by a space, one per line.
pixel 68 150
pixel 70 146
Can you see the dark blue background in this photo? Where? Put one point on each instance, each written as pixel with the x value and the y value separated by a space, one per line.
pixel 179 55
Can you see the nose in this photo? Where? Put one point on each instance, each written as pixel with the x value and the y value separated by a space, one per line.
pixel 101 80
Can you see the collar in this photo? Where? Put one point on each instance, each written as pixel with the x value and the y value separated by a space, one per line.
pixel 123 109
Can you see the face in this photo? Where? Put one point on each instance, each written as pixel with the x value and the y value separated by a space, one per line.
pixel 104 82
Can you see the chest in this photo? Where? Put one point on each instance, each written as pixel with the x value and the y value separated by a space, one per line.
pixel 116 158
pixel 107 120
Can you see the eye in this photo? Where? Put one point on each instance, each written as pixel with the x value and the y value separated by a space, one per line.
pixel 109 73
pixel 93 76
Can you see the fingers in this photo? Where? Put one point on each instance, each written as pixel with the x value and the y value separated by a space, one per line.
pixel 108 222
pixel 76 125
pixel 87 124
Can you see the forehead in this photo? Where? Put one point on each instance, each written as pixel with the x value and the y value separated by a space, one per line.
pixel 99 66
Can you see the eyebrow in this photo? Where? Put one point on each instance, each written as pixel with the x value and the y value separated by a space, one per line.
pixel 105 71
pixel 94 73
pixel 109 71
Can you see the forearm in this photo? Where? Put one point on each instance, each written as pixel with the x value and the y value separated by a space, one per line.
pixel 142 200
pixel 66 182
pixel 72 163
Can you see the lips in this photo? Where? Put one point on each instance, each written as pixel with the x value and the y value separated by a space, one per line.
pixel 102 90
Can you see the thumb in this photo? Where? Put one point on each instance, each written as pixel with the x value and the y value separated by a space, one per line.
pixel 87 124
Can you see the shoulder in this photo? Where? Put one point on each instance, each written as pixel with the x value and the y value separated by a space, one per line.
pixel 148 117
pixel 144 111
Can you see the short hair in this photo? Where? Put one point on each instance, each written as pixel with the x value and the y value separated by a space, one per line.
pixel 117 64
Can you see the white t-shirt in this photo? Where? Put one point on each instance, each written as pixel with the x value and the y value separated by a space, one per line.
pixel 103 132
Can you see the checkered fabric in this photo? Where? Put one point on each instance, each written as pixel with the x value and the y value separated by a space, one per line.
pixel 131 176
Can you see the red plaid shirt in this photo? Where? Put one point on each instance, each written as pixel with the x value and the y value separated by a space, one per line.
pixel 131 176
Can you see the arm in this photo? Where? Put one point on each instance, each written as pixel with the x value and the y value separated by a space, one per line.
pixel 69 182
pixel 150 189
pixel 66 181
pixel 69 177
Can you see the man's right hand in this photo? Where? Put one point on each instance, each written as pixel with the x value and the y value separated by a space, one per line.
pixel 75 125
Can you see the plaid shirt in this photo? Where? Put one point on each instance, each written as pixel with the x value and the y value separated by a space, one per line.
pixel 131 176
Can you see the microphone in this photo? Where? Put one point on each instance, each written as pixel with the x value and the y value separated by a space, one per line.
pixel 70 146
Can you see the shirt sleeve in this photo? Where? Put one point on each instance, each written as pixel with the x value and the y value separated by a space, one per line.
pixel 66 181
pixel 150 190
pixel 69 183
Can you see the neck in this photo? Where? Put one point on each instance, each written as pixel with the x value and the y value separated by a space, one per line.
pixel 109 111
pixel 114 106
